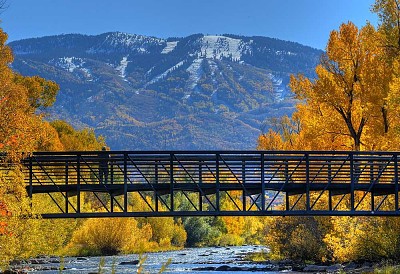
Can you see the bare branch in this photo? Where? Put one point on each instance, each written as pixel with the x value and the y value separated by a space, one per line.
pixel 3 6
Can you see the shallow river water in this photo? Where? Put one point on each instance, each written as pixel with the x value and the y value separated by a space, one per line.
pixel 186 260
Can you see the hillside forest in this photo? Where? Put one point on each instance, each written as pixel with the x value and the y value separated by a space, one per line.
pixel 352 104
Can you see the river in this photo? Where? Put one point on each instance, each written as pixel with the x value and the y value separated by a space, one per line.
pixel 190 260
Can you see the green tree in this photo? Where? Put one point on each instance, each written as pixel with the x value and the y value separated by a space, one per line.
pixel 299 238
pixel 72 139
pixel 197 229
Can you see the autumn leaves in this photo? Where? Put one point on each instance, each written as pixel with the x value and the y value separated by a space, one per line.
pixel 352 104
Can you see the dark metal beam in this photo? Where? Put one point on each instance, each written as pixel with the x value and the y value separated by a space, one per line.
pixel 271 183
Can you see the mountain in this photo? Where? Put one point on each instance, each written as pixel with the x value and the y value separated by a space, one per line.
pixel 195 92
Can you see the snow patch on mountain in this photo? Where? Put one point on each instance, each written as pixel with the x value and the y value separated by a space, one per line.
pixel 170 47
pixel 213 67
pixel 195 72
pixel 150 70
pixel 122 67
pixel 118 38
pixel 68 63
pixel 164 74
pixel 278 86
pixel 73 65
pixel 218 47
pixel 123 42
pixel 87 74
pixel 282 52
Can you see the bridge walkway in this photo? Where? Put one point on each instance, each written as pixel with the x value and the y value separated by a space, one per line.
pixel 214 183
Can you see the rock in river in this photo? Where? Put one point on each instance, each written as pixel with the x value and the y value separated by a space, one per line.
pixel 134 262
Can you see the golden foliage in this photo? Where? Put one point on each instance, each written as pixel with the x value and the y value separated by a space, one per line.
pixel 23 129
pixel 350 105
pixel 179 235
pixel 353 104
pixel 110 236
pixel 20 97
pixel 298 238
pixel 363 238
pixel 26 234
pixel 73 140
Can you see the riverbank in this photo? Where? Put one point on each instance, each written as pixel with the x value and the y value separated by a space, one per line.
pixel 186 260
pixel 296 267
pixel 193 260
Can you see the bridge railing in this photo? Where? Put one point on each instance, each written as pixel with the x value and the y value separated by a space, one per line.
pixel 216 182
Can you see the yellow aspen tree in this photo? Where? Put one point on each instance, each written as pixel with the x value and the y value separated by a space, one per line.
pixel 353 104
pixel 388 39
pixel 349 95
pixel 388 12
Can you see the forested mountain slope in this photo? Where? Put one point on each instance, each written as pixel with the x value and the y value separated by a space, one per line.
pixel 196 92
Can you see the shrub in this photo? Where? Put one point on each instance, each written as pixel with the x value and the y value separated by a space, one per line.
pixel 298 238
pixel 109 236
pixel 179 235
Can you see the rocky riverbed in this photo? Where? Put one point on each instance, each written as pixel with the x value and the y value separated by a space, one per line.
pixel 193 260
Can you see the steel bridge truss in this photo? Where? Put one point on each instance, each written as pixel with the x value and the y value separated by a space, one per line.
pixel 214 183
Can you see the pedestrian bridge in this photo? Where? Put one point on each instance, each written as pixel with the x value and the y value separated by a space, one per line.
pixel 214 183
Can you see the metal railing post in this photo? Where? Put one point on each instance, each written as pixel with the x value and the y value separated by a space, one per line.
pixel 111 163
pixel 244 182
pixel 308 208
pixel 125 182
pixel 200 183
pixel 371 181
pixel 287 197
pixel 352 182
pixel 262 181
pixel 171 179
pixel 112 202
pixel 396 182
pixel 30 178
pixel 156 182
pixel 217 186
pixel 66 183
pixel 329 182
pixel 78 184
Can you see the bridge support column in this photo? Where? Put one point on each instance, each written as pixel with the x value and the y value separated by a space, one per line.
pixel 30 179
pixel 78 185
pixel 112 203
pixel 66 183
pixel 156 181
pixel 396 182
pixel 125 183
pixel 287 197
pixel 329 183
pixel 308 208
pixel 244 182
pixel 217 193
pixel 200 184
pixel 352 182
pixel 372 200
pixel 262 182
pixel 171 180
pixel 371 181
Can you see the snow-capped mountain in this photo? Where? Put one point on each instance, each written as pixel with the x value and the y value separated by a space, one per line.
pixel 196 92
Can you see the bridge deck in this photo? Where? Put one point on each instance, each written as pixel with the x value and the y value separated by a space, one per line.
pixel 215 183
pixel 208 189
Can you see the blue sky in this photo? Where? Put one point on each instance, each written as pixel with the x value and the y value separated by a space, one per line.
pixel 308 22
